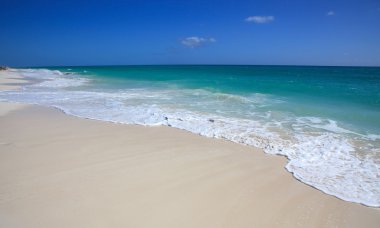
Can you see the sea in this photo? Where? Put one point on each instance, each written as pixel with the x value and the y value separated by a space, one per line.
pixel 325 120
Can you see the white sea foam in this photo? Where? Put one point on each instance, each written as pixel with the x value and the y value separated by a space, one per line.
pixel 39 73
pixel 373 137
pixel 325 124
pixel 321 153
pixel 62 83
pixel 52 78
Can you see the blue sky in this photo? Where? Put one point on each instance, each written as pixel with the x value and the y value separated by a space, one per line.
pixel 274 32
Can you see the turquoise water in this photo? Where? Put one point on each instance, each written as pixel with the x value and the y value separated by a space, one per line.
pixel 348 94
pixel 326 120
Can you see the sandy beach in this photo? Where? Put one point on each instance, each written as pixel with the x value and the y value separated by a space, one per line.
pixel 58 170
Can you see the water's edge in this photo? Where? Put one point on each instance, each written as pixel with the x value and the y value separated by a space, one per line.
pixel 287 167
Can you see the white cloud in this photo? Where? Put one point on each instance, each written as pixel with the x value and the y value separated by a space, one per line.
pixel 195 41
pixel 260 19
pixel 330 13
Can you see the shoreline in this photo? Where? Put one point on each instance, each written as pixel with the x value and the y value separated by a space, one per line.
pixel 118 172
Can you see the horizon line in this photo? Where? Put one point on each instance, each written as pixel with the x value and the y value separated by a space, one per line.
pixel 114 65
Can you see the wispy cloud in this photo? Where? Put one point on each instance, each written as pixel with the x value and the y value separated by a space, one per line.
pixel 260 19
pixel 330 13
pixel 195 41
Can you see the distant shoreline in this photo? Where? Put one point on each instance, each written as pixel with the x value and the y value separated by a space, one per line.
pixel 132 65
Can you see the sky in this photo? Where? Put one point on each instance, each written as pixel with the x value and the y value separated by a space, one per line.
pixel 134 32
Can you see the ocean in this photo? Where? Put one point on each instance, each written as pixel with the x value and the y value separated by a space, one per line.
pixel 325 120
